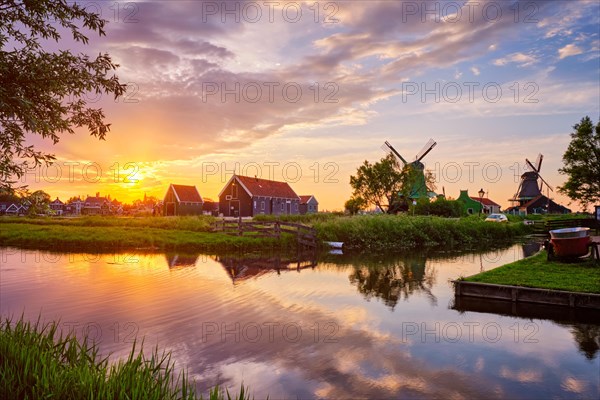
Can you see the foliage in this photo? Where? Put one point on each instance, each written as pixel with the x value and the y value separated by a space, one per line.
pixel 43 92
pixel 354 205
pixel 440 207
pixel 39 203
pixel 37 361
pixel 379 184
pixel 535 271
pixel 582 164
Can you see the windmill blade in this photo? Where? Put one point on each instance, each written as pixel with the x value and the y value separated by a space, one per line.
pixel 546 183
pixel 426 149
pixel 531 166
pixel 538 162
pixel 389 147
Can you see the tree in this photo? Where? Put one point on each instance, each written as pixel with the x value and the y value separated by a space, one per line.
pixel 379 184
pixel 354 205
pixel 39 202
pixel 43 92
pixel 582 164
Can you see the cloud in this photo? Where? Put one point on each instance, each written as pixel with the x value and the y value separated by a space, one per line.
pixel 475 71
pixel 524 60
pixel 568 51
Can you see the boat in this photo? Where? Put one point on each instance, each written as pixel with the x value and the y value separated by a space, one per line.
pixel 569 242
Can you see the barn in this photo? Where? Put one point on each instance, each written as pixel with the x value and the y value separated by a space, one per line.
pixel 246 197
pixel 182 200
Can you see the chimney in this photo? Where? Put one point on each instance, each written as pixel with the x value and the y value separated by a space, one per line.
pixel 97 194
pixel 256 178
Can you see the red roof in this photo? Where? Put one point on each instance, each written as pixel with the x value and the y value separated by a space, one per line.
pixel 485 202
pixel 187 193
pixel 267 188
pixel 305 198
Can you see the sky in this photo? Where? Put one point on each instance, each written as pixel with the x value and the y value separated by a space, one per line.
pixel 305 92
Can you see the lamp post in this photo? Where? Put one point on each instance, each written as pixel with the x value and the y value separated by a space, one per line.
pixel 481 193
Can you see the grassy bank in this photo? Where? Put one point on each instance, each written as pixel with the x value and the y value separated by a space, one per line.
pixel 360 233
pixel 193 223
pixel 536 272
pixel 115 238
pixel 396 233
pixel 37 362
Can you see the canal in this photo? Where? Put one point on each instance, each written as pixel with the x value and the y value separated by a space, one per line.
pixel 338 327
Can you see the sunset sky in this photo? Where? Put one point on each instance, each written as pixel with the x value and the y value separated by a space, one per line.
pixel 305 92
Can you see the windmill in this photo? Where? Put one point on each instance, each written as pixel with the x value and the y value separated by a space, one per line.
pixel 529 188
pixel 418 187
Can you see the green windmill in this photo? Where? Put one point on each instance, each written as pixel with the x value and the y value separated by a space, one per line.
pixel 418 187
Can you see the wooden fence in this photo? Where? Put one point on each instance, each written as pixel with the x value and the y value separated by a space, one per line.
pixel 306 235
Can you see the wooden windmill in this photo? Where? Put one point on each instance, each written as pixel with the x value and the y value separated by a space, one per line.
pixel 529 188
pixel 418 187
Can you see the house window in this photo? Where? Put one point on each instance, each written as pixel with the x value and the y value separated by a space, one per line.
pixel 254 204
pixel 262 205
pixel 469 211
pixel 296 206
pixel 282 206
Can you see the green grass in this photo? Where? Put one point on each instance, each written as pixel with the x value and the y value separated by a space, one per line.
pixel 113 238
pixel 397 233
pixel 536 272
pixel 199 223
pixel 37 362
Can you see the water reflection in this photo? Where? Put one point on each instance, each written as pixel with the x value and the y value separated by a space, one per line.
pixel 394 279
pixel 175 260
pixel 240 268
pixel 340 327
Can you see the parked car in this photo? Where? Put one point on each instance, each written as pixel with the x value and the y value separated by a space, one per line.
pixel 496 218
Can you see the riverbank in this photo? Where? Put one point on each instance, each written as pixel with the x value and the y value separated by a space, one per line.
pixel 379 233
pixel 401 232
pixel 37 361
pixel 537 272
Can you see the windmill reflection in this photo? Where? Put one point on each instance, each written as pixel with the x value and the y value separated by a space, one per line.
pixel 393 280
pixel 241 268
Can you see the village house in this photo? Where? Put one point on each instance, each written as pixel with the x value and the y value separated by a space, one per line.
pixel 74 207
pixel 57 206
pixel 96 205
pixel 246 197
pixel 308 204
pixel 182 200
pixel 539 205
pixel 477 205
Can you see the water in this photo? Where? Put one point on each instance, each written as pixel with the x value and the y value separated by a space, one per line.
pixel 344 327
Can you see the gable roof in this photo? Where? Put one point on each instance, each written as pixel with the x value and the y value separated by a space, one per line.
pixel 187 193
pixel 305 198
pixel 485 201
pixel 263 187
pixel 96 201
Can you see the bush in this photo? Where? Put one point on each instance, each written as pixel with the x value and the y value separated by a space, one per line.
pixel 440 207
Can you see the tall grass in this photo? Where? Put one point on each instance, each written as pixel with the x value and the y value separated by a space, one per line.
pixel 37 362
pixel 395 233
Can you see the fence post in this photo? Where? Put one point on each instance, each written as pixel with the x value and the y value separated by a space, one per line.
pixel 277 230
pixel 240 230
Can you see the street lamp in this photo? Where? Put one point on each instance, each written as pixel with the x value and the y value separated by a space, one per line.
pixel 481 193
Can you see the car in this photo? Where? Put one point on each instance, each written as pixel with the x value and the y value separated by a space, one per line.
pixel 496 218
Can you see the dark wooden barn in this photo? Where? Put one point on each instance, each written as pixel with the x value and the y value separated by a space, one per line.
pixel 308 204
pixel 182 200
pixel 245 196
